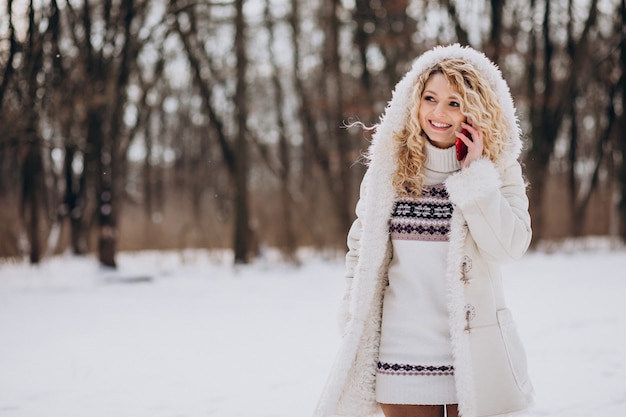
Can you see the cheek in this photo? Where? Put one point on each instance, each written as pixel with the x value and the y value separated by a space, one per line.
pixel 421 114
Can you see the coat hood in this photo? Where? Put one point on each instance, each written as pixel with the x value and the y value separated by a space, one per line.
pixel 396 113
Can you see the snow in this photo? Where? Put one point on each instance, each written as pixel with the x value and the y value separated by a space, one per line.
pixel 186 334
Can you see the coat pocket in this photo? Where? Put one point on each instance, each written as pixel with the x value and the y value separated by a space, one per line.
pixel 514 349
pixel 499 363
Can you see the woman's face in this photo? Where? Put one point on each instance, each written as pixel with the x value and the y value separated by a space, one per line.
pixel 439 112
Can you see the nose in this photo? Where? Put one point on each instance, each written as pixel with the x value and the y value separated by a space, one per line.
pixel 439 109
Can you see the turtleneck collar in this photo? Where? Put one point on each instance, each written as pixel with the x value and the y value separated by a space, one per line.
pixel 441 160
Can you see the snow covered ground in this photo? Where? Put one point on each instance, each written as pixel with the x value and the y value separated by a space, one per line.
pixel 186 335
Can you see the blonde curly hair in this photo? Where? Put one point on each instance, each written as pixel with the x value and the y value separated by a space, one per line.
pixel 477 101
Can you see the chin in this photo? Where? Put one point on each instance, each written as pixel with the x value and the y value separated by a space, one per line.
pixel 441 144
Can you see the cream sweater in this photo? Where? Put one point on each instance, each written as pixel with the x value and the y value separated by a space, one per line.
pixel 415 363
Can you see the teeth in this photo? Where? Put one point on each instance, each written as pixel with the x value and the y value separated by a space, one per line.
pixel 440 124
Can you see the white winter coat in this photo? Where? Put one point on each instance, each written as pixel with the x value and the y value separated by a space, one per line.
pixel 490 224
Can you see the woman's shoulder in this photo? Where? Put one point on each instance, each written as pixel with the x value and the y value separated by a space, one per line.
pixel 506 162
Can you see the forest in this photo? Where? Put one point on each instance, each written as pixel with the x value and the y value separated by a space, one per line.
pixel 131 125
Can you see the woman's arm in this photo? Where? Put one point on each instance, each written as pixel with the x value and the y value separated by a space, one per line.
pixel 494 206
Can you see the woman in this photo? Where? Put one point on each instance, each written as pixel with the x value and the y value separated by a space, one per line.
pixel 426 328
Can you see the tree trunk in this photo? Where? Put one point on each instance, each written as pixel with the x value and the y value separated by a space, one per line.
pixel 107 241
pixel 74 203
pixel 113 153
pixel 32 181
pixel 622 132
pixel 100 170
pixel 242 238
pixel 338 176
pixel 32 169
pixel 495 36
pixel 288 242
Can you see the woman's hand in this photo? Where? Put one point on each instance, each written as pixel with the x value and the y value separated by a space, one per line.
pixel 475 146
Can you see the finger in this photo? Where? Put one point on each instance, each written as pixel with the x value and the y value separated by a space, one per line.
pixel 470 128
pixel 464 138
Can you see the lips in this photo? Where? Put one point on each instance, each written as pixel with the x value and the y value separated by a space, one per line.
pixel 440 125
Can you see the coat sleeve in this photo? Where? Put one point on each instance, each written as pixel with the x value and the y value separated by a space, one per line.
pixel 352 258
pixel 495 207
pixel 354 244
pixel 354 235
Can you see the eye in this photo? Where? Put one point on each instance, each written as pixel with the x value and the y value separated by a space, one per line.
pixel 455 104
pixel 429 98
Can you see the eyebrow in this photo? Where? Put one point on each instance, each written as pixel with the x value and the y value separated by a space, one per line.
pixel 451 97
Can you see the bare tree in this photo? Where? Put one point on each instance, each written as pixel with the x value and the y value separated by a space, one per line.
pixel 339 180
pixel 238 112
pixel 242 228
pixel 234 149
pixel 33 191
pixel 546 90
pixel 108 44
pixel 288 244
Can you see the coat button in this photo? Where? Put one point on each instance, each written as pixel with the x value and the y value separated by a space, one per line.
pixel 466 266
pixel 467 263
pixel 470 313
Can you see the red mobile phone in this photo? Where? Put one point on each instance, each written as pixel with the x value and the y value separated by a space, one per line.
pixel 461 148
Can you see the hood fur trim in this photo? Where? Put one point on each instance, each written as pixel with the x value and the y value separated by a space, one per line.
pixel 397 110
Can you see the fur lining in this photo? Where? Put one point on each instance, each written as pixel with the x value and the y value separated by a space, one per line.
pixel 473 183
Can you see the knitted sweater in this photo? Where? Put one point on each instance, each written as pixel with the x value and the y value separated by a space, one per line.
pixel 415 358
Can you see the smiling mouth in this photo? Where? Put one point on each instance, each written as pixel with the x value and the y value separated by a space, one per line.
pixel 440 125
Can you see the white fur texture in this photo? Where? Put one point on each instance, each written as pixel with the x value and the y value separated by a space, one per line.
pixel 473 183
